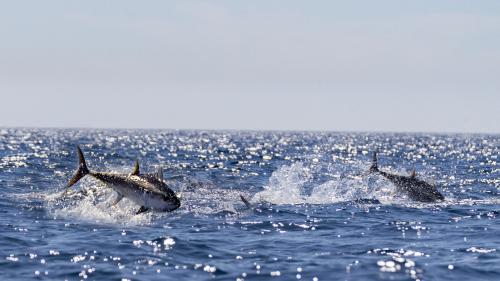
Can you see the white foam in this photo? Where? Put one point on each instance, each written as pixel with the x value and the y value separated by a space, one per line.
pixel 289 185
pixel 94 203
pixel 207 199
pixel 286 186
pixel 94 206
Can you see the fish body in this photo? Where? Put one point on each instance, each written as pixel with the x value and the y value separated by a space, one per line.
pixel 146 190
pixel 416 189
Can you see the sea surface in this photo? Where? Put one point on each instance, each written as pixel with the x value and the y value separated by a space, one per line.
pixel 316 213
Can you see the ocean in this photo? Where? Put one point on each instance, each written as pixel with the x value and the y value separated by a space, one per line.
pixel 316 213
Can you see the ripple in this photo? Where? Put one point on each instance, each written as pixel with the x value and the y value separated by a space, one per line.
pixel 314 213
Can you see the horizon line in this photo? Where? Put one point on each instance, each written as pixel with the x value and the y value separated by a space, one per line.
pixel 251 130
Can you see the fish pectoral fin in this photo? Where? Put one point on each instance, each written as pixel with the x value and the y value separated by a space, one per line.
pixel 141 210
pixel 118 198
pixel 136 168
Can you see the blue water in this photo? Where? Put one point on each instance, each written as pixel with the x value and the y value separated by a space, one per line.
pixel 317 215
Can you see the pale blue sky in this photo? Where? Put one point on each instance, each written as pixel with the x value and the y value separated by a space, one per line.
pixel 286 65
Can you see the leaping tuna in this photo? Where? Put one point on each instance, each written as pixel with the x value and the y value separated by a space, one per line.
pixel 148 191
pixel 416 189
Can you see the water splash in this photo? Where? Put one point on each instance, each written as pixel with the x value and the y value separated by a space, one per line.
pixel 92 203
pixel 322 239
pixel 291 184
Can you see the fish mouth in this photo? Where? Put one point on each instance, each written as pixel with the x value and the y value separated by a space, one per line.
pixel 173 204
pixel 177 202
pixel 439 197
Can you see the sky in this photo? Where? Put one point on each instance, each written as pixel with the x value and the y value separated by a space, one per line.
pixel 406 66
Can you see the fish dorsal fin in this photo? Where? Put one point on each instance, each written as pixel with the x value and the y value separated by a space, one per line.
pixel 136 168
pixel 159 173
pixel 374 166
pixel 246 202
pixel 413 174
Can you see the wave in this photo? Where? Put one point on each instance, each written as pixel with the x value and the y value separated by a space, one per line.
pixel 296 184
pixel 291 184
pixel 92 203
pixel 92 200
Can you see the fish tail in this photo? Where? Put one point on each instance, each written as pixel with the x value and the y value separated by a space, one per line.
pixel 82 169
pixel 374 166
